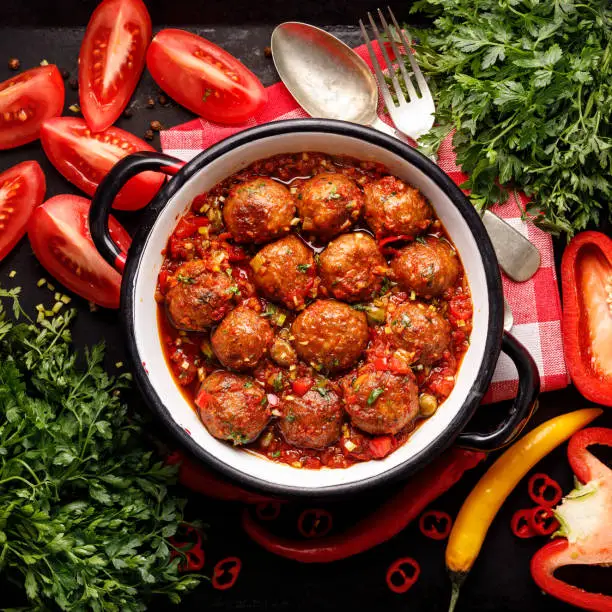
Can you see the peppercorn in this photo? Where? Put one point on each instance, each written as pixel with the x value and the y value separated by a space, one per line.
pixel 150 103
pixel 14 63
pixel 73 84
pixel 156 126
pixel 65 75
pixel 149 135
pixel 128 112
pixel 163 100
pixel 267 51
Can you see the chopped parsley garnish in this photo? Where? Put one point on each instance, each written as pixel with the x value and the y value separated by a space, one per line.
pixel 188 280
pixel 248 384
pixel 264 400
pixel 374 395
pixel 275 454
pixel 277 382
pixel 421 240
pixel 234 290
pixel 303 268
pixel 207 94
pixel 406 320
pixel 290 417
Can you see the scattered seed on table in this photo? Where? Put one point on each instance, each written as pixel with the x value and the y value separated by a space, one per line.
pixel 163 100
pixel 150 103
pixel 128 112
pixel 44 62
pixel 149 135
pixel 73 84
pixel 75 108
pixel 156 126
pixel 267 51
pixel 65 75
pixel 14 63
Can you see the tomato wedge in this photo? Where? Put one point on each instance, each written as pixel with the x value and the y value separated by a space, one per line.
pixel 111 59
pixel 586 275
pixel 22 189
pixel 84 158
pixel 60 238
pixel 204 78
pixel 26 100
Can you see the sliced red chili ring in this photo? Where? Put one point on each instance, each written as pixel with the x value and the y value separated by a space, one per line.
pixel 191 551
pixel 228 567
pixel 435 524
pixel 384 242
pixel 521 523
pixel 398 580
pixel 267 511
pixel 544 490
pixel 543 521
pixel 315 523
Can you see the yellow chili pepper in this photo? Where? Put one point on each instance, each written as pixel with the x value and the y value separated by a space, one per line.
pixel 482 504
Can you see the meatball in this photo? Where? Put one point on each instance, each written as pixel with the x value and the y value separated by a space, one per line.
pixel 258 210
pixel 420 329
pixel 198 298
pixel 242 339
pixel 428 267
pixel 393 208
pixel 232 407
pixel 284 272
pixel 352 268
pixel 313 420
pixel 330 334
pixel 380 402
pixel 328 204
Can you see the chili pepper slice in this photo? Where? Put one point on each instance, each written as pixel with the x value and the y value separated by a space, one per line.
pixel 521 523
pixel 398 580
pixel 267 511
pixel 387 250
pixel 230 566
pixel 435 524
pixel 543 521
pixel 191 550
pixel 544 490
pixel 315 523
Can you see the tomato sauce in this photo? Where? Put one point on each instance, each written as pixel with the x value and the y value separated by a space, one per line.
pixel 201 234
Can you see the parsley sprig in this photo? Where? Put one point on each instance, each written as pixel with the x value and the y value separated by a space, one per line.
pixel 528 88
pixel 85 513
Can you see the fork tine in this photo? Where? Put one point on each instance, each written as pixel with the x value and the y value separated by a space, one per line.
pixel 380 77
pixel 407 80
pixel 390 70
pixel 413 63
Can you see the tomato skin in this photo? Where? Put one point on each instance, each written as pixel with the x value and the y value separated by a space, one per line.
pixel 224 92
pixel 84 158
pixel 59 234
pixel 586 276
pixel 122 27
pixel 22 189
pixel 26 100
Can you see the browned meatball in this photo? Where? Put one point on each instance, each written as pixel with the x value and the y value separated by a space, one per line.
pixel 420 329
pixel 284 271
pixel 352 268
pixel 330 334
pixel 258 210
pixel 380 402
pixel 232 407
pixel 393 208
pixel 313 420
pixel 198 298
pixel 329 203
pixel 242 339
pixel 427 267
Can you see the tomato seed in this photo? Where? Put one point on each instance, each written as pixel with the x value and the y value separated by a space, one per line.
pixel 14 63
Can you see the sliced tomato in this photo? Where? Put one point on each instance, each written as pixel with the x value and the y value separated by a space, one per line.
pixel 111 59
pixel 60 238
pixel 84 158
pixel 26 100
pixel 22 189
pixel 204 78
pixel 586 274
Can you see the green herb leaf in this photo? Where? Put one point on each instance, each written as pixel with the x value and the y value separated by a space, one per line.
pixel 374 395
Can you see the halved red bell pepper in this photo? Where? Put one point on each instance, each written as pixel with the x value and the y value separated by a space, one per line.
pixel 586 274
pixel 585 517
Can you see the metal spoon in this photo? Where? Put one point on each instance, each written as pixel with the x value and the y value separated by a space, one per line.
pixel 328 79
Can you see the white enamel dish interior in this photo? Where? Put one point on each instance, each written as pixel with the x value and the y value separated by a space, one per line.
pixel 150 347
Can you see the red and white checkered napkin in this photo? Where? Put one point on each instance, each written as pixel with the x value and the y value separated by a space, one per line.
pixel 535 304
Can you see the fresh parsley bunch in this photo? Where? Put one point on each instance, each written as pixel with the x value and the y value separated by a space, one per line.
pixel 527 87
pixel 85 514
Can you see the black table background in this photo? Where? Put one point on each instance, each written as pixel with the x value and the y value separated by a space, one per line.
pixel 33 31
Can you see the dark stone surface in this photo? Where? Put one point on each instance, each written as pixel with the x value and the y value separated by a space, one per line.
pixel 500 580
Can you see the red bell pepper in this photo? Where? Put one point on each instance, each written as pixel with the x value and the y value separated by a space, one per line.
pixel 585 517
pixel 586 274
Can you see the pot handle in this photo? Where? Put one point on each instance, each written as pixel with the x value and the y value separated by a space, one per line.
pixel 107 191
pixel 524 405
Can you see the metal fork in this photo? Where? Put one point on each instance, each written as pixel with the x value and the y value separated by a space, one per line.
pixel 414 116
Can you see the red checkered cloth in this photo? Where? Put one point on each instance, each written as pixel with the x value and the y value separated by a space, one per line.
pixel 535 304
